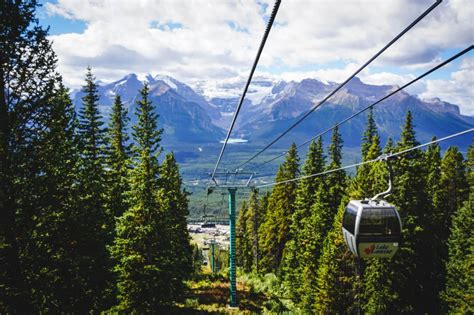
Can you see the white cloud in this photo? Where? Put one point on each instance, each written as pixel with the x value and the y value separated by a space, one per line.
pixel 195 40
pixel 459 89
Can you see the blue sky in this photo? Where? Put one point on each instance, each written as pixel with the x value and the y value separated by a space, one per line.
pixel 59 24
pixel 199 41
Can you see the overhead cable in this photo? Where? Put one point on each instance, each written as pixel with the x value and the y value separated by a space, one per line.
pixel 461 53
pixel 239 106
pixel 425 13
pixel 384 156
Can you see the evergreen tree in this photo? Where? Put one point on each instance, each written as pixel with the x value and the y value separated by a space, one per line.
pixel 459 285
pixel 335 181
pixel 198 258
pixel 370 180
pixel 453 189
pixel 93 224
pixel 118 159
pixel 448 188
pixel 364 185
pixel 336 273
pixel 175 210
pixel 301 229
pixel 139 246
pixel 253 223
pixel 317 226
pixel 263 211
pixel 369 134
pixel 432 159
pixel 437 238
pixel 307 187
pixel 248 250
pixel 243 245
pixel 53 277
pixel 323 215
pixel 389 146
pixel 27 80
pixel 470 166
pixel 408 275
pixel 281 205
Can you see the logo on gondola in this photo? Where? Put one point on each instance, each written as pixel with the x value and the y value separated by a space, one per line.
pixel 380 249
pixel 369 250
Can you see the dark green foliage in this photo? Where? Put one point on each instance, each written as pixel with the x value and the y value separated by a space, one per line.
pixel 248 251
pixel 174 205
pixel 118 160
pixel 298 253
pixel 94 223
pixel 64 180
pixel 406 273
pixel 336 273
pixel 140 241
pixel 281 205
pixel 243 250
pixel 60 187
pixel 448 187
pixel 453 189
pixel 146 133
pixel 307 187
pixel 27 80
pixel 372 179
pixel 335 181
pixel 261 227
pixel 316 247
pixel 459 292
pixel 54 267
pixel 319 273
pixel 370 137
pixel 369 176
pixel 470 166
pixel 221 259
pixel 317 226
pixel 253 223
pixel 198 258
pixel 433 168
pixel 389 146
pixel 152 247
pixel 459 284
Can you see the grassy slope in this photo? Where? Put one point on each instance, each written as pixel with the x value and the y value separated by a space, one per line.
pixel 209 294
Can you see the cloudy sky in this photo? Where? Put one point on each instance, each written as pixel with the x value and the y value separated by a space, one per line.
pixel 216 41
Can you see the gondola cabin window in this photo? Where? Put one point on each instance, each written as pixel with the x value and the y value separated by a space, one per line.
pixel 350 217
pixel 379 222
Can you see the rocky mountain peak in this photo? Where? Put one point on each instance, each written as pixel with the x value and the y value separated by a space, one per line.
pixel 437 105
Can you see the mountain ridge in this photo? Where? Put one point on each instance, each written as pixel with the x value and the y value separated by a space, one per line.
pixel 193 115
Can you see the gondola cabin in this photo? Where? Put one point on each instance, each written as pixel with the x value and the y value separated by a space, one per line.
pixel 372 229
pixel 208 225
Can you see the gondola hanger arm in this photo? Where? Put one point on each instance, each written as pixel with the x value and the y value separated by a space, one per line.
pixel 386 158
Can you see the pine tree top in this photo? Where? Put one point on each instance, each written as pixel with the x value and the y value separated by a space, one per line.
pixel 290 167
pixel 369 134
pixel 408 136
pixel 169 172
pixel 335 149
pixel 117 132
pixel 90 121
pixel 146 133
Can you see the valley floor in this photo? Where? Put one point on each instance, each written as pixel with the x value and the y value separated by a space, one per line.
pixel 209 294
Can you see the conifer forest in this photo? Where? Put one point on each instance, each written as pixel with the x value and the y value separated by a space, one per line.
pixel 94 210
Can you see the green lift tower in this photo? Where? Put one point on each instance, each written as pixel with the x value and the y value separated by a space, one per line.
pixel 232 189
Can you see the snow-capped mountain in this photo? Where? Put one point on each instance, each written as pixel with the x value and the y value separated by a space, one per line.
pixel 291 100
pixel 184 114
pixel 202 113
